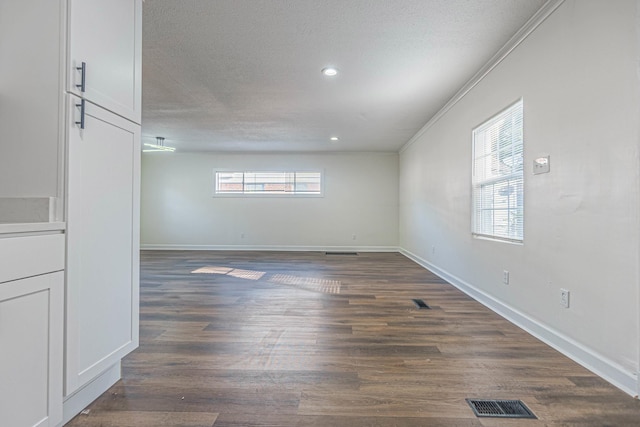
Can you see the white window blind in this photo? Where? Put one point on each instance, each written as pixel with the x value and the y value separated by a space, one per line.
pixel 498 176
pixel 269 182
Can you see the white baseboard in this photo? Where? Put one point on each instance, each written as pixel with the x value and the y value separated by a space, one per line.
pixel 79 400
pixel 593 361
pixel 168 247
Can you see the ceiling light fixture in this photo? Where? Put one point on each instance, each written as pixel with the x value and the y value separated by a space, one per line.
pixel 334 138
pixel 158 146
pixel 329 71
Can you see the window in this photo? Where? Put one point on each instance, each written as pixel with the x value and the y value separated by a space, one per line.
pixel 283 183
pixel 498 176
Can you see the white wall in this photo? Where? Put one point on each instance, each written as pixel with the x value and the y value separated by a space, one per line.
pixel 577 74
pixel 30 88
pixel 360 197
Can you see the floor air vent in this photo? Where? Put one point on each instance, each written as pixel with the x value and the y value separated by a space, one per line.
pixel 420 303
pixel 500 408
pixel 341 253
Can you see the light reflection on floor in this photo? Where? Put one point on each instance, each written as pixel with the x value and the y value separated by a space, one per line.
pixel 313 284
pixel 309 283
pixel 234 272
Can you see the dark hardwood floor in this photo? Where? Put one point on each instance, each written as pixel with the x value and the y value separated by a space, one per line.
pixel 308 339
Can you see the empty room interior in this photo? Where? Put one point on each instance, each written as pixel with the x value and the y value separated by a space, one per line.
pixel 319 213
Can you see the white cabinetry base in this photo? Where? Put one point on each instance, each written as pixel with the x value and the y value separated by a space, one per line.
pixel 79 400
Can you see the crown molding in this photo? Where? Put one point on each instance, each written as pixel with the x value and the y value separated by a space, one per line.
pixel 529 27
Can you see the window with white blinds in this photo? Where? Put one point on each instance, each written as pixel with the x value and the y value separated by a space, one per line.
pixel 498 176
pixel 268 183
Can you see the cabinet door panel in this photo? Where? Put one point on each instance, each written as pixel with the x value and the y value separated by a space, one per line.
pixel 31 356
pixel 106 35
pixel 102 242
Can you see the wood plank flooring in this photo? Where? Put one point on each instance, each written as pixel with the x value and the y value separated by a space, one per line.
pixel 308 339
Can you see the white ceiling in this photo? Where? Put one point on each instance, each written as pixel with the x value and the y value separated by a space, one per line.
pixel 244 75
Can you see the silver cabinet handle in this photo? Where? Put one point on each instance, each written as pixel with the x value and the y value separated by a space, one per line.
pixel 81 122
pixel 83 73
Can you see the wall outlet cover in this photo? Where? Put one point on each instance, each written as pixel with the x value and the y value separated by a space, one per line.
pixel 541 165
pixel 564 298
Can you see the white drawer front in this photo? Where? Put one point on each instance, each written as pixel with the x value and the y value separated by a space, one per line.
pixel 30 256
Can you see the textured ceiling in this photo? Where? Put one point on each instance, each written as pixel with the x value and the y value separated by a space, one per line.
pixel 244 75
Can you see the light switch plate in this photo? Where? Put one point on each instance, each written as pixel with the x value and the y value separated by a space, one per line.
pixel 564 298
pixel 541 165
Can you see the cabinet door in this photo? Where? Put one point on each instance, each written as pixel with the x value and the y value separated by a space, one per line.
pixel 31 333
pixel 102 242
pixel 106 36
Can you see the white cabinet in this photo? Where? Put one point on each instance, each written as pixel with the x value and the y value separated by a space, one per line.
pixel 102 194
pixel 91 313
pixel 102 242
pixel 31 330
pixel 106 36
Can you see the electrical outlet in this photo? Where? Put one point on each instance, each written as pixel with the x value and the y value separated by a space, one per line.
pixel 242 235
pixel 433 249
pixel 541 165
pixel 564 298
pixel 505 277
pixel 353 237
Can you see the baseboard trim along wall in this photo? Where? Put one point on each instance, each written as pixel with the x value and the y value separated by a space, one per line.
pixel 161 247
pixel 596 363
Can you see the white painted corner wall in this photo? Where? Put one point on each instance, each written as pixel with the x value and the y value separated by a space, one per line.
pixel 360 198
pixel 578 76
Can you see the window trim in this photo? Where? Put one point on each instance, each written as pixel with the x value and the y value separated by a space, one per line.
pixel 258 194
pixel 477 185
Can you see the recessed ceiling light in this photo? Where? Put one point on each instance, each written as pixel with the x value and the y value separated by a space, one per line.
pixel 329 71
pixel 334 138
